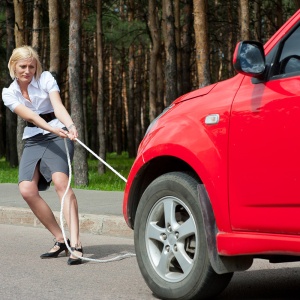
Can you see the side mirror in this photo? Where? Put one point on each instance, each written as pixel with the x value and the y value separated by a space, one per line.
pixel 249 59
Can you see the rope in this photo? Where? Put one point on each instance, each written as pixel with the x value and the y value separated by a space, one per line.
pixel 119 257
pixel 103 161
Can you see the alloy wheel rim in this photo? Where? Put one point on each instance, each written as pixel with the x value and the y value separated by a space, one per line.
pixel 171 238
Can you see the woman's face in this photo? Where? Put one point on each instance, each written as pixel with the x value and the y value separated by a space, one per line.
pixel 25 70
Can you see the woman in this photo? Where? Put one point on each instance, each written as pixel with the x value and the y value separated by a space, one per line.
pixel 34 96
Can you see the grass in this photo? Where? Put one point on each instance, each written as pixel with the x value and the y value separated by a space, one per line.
pixel 106 182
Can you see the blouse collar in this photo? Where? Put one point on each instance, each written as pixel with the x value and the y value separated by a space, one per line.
pixel 16 86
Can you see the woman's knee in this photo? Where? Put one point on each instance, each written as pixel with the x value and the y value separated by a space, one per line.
pixel 28 190
pixel 60 182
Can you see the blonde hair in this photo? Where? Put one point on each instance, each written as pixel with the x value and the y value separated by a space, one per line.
pixel 24 52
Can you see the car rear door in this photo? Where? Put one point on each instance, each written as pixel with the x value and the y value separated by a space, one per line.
pixel 264 146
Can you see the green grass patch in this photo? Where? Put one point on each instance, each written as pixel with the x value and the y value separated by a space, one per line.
pixel 106 182
pixel 109 181
pixel 7 174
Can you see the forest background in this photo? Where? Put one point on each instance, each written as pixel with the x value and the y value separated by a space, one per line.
pixel 119 63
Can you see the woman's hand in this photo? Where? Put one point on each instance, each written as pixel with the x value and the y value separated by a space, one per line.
pixel 72 134
pixel 60 132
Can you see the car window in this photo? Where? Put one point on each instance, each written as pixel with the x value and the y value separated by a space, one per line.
pixel 288 63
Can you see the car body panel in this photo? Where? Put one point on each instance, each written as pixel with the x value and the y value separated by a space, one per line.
pixel 264 141
pixel 248 161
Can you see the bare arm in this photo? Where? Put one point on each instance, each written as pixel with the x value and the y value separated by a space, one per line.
pixel 62 114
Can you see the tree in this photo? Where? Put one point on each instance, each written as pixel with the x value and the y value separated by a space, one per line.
pixel 11 118
pixel 80 157
pixel 187 46
pixel 154 56
pixel 100 96
pixel 244 20
pixel 257 24
pixel 19 41
pixel 202 42
pixel 36 25
pixel 230 39
pixel 54 38
pixel 297 4
pixel 19 22
pixel 170 50
pixel 130 89
pixel 279 14
pixel 178 45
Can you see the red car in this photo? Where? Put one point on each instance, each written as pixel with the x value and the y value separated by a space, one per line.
pixel 216 181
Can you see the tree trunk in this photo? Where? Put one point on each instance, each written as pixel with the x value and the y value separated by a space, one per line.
pixel 170 49
pixel 131 89
pixel 145 95
pixel 93 94
pixel 19 40
pixel 54 38
pixel 257 24
pixel 112 99
pixel 124 97
pixel 130 101
pixel 139 97
pixel 230 45
pixel 84 86
pixel 178 45
pixel 160 102
pixel 80 157
pixel 279 14
pixel 36 25
pixel 11 118
pixel 187 46
pixel 244 20
pixel 100 101
pixel 202 41
pixel 120 111
pixel 154 53
pixel 19 22
pixel 297 4
pixel 119 119
pixel 2 116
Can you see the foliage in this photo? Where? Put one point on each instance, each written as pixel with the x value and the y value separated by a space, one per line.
pixel 118 32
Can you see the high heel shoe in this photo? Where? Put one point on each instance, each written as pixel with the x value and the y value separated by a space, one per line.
pixel 54 254
pixel 75 261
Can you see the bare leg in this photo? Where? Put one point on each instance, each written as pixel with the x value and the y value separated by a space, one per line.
pixel 60 181
pixel 30 193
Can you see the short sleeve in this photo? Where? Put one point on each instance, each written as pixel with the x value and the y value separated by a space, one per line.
pixel 48 82
pixel 10 99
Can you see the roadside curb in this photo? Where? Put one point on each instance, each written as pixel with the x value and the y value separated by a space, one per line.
pixel 88 223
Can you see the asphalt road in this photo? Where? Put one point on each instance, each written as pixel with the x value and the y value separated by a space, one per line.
pixel 25 276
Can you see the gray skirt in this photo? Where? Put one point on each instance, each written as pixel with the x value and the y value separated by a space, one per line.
pixel 48 153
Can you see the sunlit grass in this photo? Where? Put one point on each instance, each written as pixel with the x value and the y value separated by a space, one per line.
pixel 7 174
pixel 106 182
pixel 109 181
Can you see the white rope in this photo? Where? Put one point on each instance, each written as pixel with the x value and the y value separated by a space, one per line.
pixel 99 158
pixel 119 257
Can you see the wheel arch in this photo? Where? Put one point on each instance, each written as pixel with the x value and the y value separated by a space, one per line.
pixel 151 170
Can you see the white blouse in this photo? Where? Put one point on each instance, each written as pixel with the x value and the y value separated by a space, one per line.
pixel 38 91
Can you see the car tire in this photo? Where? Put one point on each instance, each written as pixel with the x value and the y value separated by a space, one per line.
pixel 170 241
